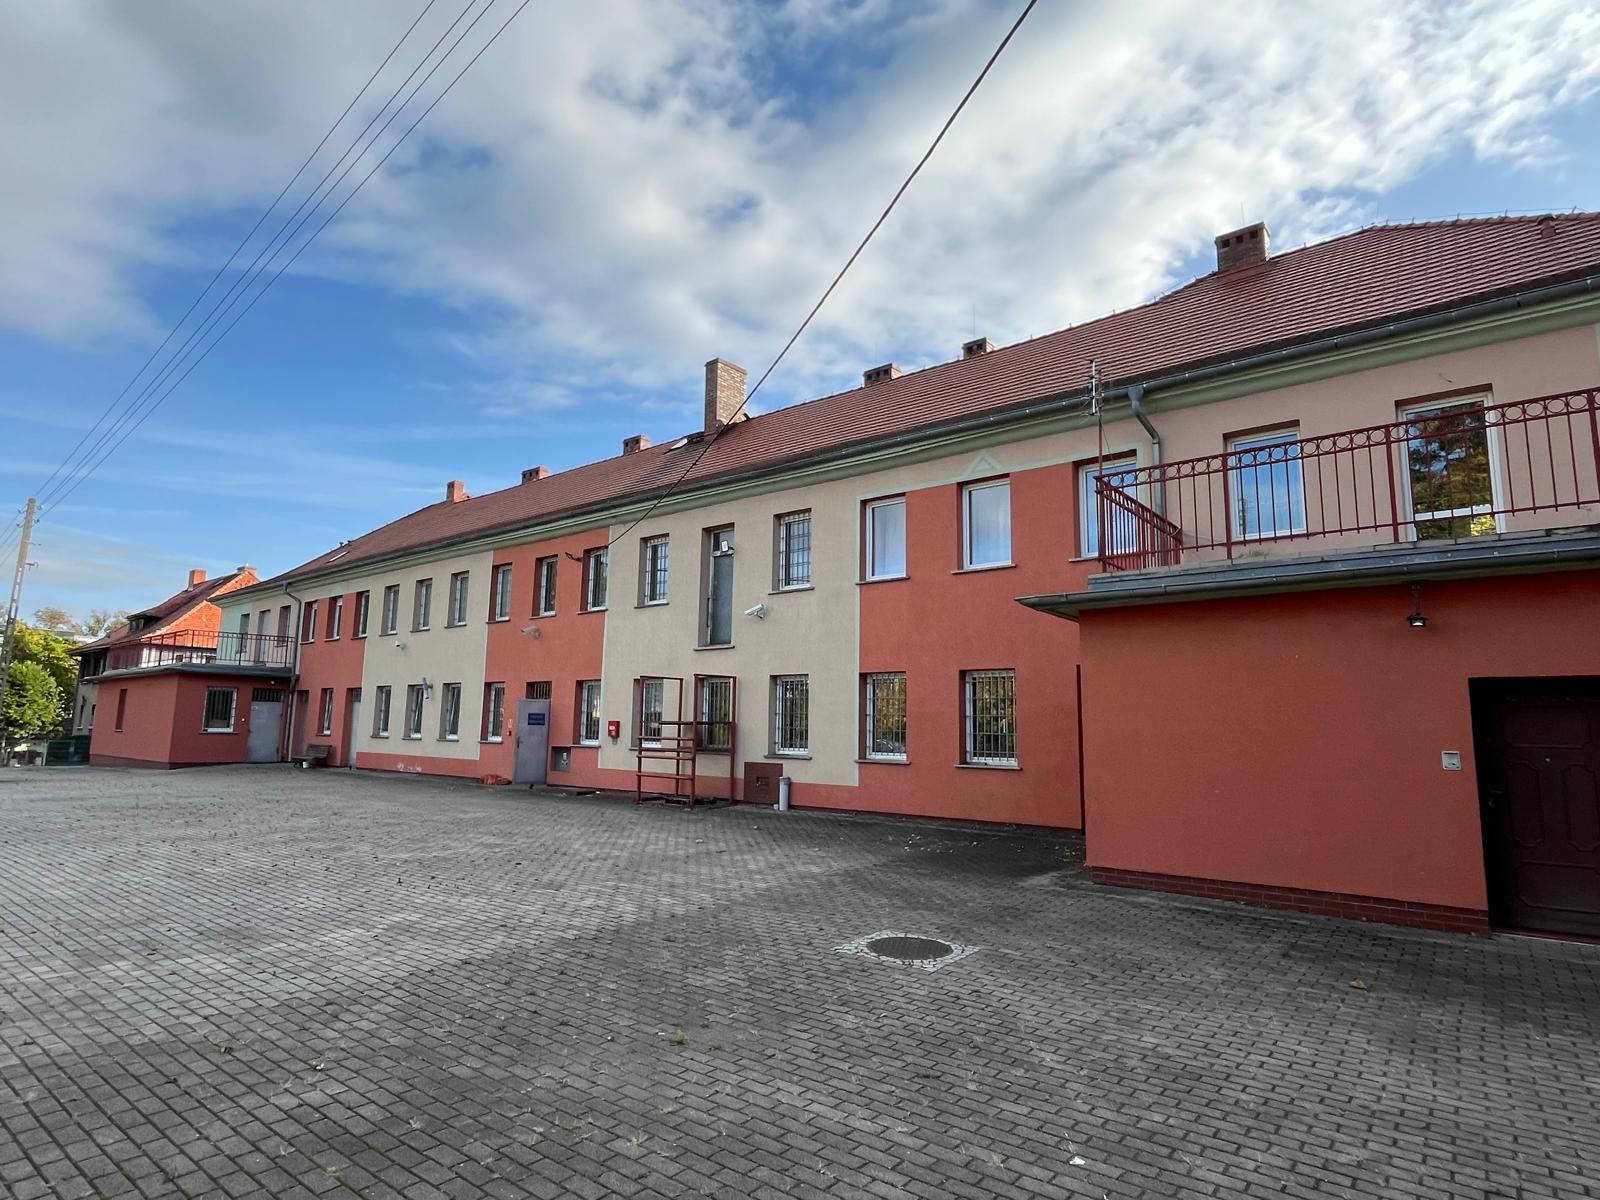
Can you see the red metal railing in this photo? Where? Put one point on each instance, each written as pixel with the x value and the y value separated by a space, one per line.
pixel 1451 468
pixel 201 646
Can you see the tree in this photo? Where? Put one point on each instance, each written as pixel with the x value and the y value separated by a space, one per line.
pixel 50 652
pixel 100 621
pixel 56 620
pixel 33 702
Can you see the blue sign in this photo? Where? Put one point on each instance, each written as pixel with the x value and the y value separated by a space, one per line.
pixel 535 718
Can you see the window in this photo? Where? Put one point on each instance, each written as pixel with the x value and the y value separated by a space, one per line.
pixel 589 712
pixel 886 716
pixel 380 710
pixel 450 713
pixel 244 630
pixel 653 558
pixel 500 601
pixel 422 605
pixel 793 551
pixel 414 702
pixel 544 599
pixel 596 569
pixel 391 608
pixel 540 689
pixel 122 708
pixel 716 713
pixel 457 613
pixel 886 538
pixel 220 705
pixel 283 621
pixel 986 524
pixel 263 622
pixel 326 724
pixel 335 617
pixel 1450 472
pixel 991 713
pixel 1124 529
pixel 791 714
pixel 494 712
pixel 649 696
pixel 363 604
pixel 716 553
pixel 1269 498
pixel 308 622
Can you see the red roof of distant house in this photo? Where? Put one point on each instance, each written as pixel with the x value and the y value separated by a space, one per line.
pixel 188 611
pixel 1361 280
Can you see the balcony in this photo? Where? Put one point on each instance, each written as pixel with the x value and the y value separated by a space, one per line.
pixel 202 648
pixel 1455 470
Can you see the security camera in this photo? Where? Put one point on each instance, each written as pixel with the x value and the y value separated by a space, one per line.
pixel 759 612
pixel 399 645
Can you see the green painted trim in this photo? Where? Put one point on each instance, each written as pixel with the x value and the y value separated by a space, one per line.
pixel 844 464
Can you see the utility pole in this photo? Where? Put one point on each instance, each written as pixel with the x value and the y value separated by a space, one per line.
pixel 16 597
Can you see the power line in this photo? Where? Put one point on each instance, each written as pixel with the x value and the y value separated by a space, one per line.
pixel 850 262
pixel 237 250
pixel 306 244
pixel 256 268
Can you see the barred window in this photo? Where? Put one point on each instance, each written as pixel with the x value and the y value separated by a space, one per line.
pixel 791 714
pixel 494 712
pixel 545 600
pixel 380 710
pixel 653 569
pixel 716 713
pixel 589 712
pixel 794 550
pixel 458 599
pixel 501 610
pixel 886 715
pixel 540 689
pixel 414 702
pixel 647 711
pixel 220 705
pixel 450 713
pixel 991 704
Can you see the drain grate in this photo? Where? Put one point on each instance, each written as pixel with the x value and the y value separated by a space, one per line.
pixel 907 949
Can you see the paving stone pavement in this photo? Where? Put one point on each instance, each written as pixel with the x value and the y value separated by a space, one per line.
pixel 247 982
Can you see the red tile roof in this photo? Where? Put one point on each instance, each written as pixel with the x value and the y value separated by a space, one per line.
pixel 187 611
pixel 1363 279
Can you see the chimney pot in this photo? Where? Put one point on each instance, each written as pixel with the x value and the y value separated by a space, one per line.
pixel 880 374
pixel 533 473
pixel 636 443
pixel 725 383
pixel 976 347
pixel 197 576
pixel 1243 247
pixel 455 491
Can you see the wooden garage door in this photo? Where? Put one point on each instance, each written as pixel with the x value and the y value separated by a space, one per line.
pixel 1538 749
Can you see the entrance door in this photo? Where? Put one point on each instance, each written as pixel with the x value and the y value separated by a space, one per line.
pixel 351 724
pixel 533 741
pixel 1538 744
pixel 266 725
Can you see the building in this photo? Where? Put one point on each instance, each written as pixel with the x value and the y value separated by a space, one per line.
pixel 1276 453
pixel 180 690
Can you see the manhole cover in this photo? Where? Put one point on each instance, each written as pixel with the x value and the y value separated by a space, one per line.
pixel 907 949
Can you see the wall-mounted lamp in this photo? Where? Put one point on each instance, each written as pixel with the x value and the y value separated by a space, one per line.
pixel 1416 620
pixel 531 630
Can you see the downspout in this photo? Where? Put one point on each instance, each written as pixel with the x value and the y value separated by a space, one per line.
pixel 1136 403
pixel 294 676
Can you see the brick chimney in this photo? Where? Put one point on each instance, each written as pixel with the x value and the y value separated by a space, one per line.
pixel 197 576
pixel 880 374
pixel 1243 247
pixel 725 384
pixel 641 441
pixel 533 473
pixel 455 491
pixel 976 347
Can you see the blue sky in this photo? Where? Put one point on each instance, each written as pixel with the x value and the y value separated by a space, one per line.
pixel 624 188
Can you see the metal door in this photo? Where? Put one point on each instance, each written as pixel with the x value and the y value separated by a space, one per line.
pixel 719 592
pixel 533 741
pixel 266 725
pixel 1538 743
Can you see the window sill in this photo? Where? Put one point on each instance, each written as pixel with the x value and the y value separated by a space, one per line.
pixel 500 620
pixel 1005 566
pixel 206 731
pixel 490 741
pixel 881 579
pixel 885 762
pixel 421 628
pixel 988 767
pixel 587 746
pixel 545 616
pixel 787 757
pixel 380 737
pixel 719 646
pixel 799 587
pixel 652 604
pixel 586 611
pixel 410 737
pixel 448 738
pixel 455 624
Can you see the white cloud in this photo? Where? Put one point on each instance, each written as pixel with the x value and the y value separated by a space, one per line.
pixel 623 188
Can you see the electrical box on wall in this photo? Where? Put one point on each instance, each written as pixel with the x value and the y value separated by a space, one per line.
pixel 1450 760
pixel 613 730
pixel 561 758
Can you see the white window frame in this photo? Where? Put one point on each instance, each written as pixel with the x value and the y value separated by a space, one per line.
pixel 602 556
pixel 308 623
pixel 494 712
pixel 870 707
pixel 779 747
pixel 325 720
pixel 544 587
pixel 391 609
pixel 422 605
pixel 868 512
pixel 650 549
pixel 450 712
pixel 1492 447
pixel 205 712
pixel 968 491
pixel 500 584
pixel 787 523
pixel 382 701
pixel 1294 472
pixel 589 700
pixel 363 614
pixel 970 755
pixel 416 706
pixel 455 614
pixel 1089 505
pixel 336 618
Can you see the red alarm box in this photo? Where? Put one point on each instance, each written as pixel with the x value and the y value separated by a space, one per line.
pixel 613 730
